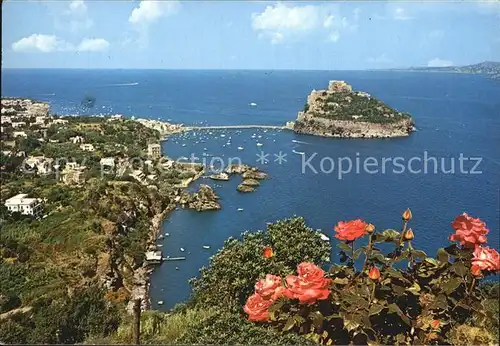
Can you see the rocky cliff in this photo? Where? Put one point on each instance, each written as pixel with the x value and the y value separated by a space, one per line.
pixel 341 112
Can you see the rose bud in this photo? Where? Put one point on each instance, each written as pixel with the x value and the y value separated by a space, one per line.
pixel 476 270
pixel 409 235
pixel 435 324
pixel 370 228
pixel 374 273
pixel 407 215
pixel 268 252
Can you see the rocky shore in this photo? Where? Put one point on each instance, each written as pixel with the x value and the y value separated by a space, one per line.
pixel 204 199
pixel 343 113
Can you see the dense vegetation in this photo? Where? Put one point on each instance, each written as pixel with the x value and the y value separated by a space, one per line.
pixel 345 105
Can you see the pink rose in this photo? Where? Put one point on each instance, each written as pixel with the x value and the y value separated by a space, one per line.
pixel 350 230
pixel 309 286
pixel 257 308
pixel 469 231
pixel 269 287
pixel 486 258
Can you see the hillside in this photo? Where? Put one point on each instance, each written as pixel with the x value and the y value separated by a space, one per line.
pixel 488 68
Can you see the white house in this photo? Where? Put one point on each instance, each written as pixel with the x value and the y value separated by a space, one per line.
pixel 27 206
pixel 19 134
pixel 18 124
pixel 77 139
pixel 5 119
pixel 60 121
pixel 87 147
pixel 108 161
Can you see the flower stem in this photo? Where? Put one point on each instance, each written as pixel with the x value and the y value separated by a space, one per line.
pixel 405 223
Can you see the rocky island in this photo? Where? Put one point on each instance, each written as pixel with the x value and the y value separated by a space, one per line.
pixel 341 112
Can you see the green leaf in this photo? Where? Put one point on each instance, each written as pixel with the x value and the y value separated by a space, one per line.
pixel 450 285
pixel 350 325
pixel 399 290
pixel 345 247
pixel 317 319
pixel 431 261
pixel 393 308
pixel 357 253
pixel 459 268
pixel 419 254
pixel 341 281
pixel 379 258
pixel 375 309
pixel 390 235
pixel 441 302
pixel 443 256
pixel 290 323
pixel 415 289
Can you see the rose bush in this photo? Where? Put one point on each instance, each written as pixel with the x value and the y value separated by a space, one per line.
pixel 402 297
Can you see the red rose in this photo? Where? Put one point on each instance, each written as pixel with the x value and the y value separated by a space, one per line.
pixel 310 285
pixel 350 230
pixel 269 287
pixel 486 258
pixel 257 307
pixel 469 231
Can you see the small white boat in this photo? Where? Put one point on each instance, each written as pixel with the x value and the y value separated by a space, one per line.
pixel 240 209
pixel 160 302
pixel 176 268
pixel 240 148
pixel 206 247
pixel 160 245
pixel 253 104
pixel 324 237
pixel 259 144
pixel 259 136
pixel 184 145
pixel 182 249
pixel 223 135
pixel 167 234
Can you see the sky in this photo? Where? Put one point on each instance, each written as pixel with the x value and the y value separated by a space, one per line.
pixel 310 35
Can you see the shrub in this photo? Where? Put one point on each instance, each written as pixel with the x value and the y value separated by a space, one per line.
pixel 233 270
pixel 400 297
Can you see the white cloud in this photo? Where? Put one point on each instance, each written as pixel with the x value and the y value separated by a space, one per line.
pixel 93 45
pixel 281 21
pixel 334 36
pixel 40 42
pixel 150 11
pixel 77 7
pixel 439 63
pixel 75 18
pixel 282 17
pixel 51 43
pixel 381 59
pixel 400 14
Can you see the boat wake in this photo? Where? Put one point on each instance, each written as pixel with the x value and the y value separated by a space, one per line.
pixel 122 84
pixel 300 142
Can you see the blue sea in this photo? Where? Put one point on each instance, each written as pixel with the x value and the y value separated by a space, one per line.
pixel 456 116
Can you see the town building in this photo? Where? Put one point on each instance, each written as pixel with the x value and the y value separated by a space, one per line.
pixel 44 165
pixel 19 134
pixel 87 147
pixel 73 174
pixel 77 140
pixel 154 150
pixel 22 204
